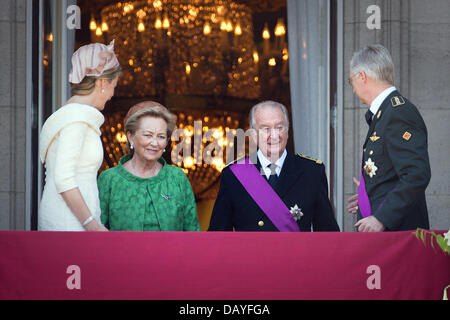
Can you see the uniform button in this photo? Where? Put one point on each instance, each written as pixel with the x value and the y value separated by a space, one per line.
pixel 371 152
pixel 261 223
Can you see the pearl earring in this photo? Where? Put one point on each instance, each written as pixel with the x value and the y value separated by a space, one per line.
pixel 103 90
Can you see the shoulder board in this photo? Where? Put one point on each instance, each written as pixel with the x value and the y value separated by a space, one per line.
pixel 310 158
pixel 397 101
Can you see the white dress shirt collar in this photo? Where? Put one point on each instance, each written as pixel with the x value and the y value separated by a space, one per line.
pixel 266 162
pixel 376 103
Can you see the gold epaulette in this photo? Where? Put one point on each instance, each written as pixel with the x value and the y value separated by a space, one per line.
pixel 310 158
pixel 397 101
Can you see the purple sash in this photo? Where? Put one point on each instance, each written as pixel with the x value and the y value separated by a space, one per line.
pixel 264 196
pixel 363 199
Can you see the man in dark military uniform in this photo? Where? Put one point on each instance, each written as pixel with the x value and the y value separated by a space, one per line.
pixel 395 164
pixel 287 183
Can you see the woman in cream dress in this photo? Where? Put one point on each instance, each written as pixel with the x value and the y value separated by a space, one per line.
pixel 70 144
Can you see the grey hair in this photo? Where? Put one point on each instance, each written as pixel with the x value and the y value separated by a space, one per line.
pixel 267 104
pixel 376 62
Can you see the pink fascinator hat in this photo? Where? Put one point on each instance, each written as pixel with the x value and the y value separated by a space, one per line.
pixel 92 60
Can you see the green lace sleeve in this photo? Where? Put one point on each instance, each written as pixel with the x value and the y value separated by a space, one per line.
pixel 104 192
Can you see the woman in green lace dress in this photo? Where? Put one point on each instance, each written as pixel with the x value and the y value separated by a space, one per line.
pixel 143 192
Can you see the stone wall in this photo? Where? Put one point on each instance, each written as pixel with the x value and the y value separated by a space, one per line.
pixel 417 33
pixel 12 114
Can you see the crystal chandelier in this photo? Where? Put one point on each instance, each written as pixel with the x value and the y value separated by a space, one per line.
pixel 184 47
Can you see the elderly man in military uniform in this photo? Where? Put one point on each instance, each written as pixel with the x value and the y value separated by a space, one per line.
pixel 273 190
pixel 395 169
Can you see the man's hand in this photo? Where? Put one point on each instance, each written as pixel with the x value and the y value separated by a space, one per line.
pixel 370 224
pixel 353 200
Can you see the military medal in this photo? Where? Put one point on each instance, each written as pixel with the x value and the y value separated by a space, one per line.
pixel 370 168
pixel 296 212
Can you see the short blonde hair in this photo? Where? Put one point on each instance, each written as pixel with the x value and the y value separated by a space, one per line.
pixel 87 85
pixel 132 123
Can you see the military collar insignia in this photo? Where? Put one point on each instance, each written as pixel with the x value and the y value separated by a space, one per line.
pixel 296 212
pixel 379 114
pixel 397 101
pixel 370 168
pixel 374 137
pixel 310 158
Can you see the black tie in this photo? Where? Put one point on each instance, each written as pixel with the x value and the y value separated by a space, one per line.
pixel 273 174
pixel 369 115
